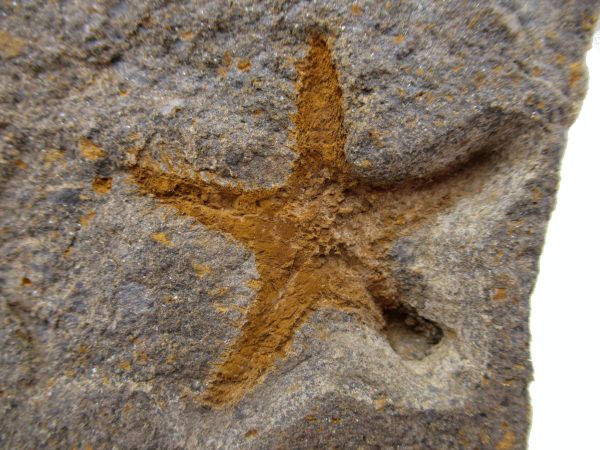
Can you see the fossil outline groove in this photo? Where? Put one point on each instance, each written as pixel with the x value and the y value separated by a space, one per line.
pixel 320 240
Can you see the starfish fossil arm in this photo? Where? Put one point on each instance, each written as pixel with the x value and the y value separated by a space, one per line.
pixel 266 335
pixel 222 208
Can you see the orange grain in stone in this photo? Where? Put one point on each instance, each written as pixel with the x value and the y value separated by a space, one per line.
pixel 227 58
pixel 485 438
pixel 53 155
pixel 500 294
pixel 201 269
pixel 141 358
pixel 226 63
pixel 244 65
pixel 102 185
pixel 380 404
pixel 218 292
pixel 89 150
pixel 187 36
pixel 588 22
pixel 251 433
pixel 320 240
pixel 83 349
pixel 356 10
pixel 220 308
pixel 478 79
pixel 254 284
pixel 576 73
pixel 162 238
pixel 87 218
pixel 508 440
pixel 11 46
pixel 464 438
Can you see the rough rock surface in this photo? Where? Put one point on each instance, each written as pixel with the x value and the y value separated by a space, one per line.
pixel 277 224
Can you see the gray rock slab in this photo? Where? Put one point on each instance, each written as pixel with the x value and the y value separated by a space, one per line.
pixel 119 302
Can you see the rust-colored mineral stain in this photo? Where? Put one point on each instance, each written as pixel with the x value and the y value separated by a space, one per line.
pixel 320 240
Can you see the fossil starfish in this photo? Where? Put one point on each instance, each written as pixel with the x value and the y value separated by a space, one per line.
pixel 320 240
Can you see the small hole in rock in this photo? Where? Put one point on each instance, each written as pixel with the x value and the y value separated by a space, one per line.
pixel 410 335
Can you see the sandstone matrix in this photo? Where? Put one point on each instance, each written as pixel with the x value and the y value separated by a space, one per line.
pixel 281 224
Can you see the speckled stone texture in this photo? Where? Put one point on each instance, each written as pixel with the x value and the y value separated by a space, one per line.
pixel 117 307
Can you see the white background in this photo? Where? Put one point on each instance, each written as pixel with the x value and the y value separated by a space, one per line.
pixel 565 307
